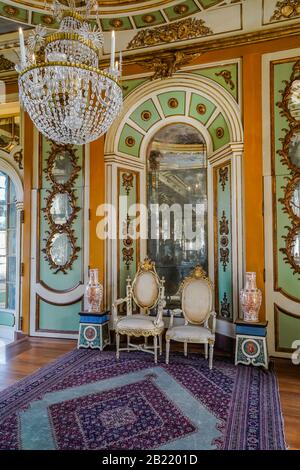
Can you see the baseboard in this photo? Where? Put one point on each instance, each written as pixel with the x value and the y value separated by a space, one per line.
pixel 18 346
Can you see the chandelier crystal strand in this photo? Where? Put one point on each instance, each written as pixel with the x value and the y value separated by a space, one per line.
pixel 69 99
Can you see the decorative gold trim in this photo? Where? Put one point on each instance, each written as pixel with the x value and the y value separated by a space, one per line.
pixel 286 9
pixel 289 244
pixel 127 182
pixel 73 14
pixel 165 67
pixel 10 10
pixel 173 103
pixel 18 158
pixel 130 141
pixel 201 109
pixel 68 64
pixel 146 115
pixel 70 37
pixel 116 23
pixel 5 64
pixel 220 132
pixel 286 200
pixel 223 177
pixel 47 250
pixel 189 28
pixel 226 74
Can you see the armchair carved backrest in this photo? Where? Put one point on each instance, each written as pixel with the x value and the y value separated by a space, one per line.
pixel 197 297
pixel 147 289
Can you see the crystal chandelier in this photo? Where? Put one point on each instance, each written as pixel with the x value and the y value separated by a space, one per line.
pixel 69 99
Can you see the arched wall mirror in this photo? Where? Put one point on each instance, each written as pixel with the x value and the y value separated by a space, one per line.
pixel 177 203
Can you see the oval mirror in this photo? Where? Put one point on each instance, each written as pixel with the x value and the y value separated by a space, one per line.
pixel 62 168
pixel 295 199
pixel 61 208
pixel 296 248
pixel 294 149
pixel 60 249
pixel 294 100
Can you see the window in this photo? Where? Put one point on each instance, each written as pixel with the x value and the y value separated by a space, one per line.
pixel 177 175
pixel 7 243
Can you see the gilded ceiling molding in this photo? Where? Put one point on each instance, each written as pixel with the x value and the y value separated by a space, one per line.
pixel 165 67
pixel 286 9
pixel 6 64
pixel 189 28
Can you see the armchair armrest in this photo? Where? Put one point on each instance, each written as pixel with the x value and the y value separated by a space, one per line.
pixel 160 310
pixel 214 321
pixel 115 309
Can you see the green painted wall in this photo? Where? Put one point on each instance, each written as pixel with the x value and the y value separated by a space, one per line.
pixel 287 281
pixel 129 85
pixel 165 102
pixel 173 14
pixel 131 197
pixel 6 318
pixel 224 272
pixel 215 74
pixel 137 115
pixel 219 123
pixel 289 330
pixel 199 100
pixel 129 132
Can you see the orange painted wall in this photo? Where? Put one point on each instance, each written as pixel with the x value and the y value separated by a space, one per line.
pixel 28 169
pixel 97 197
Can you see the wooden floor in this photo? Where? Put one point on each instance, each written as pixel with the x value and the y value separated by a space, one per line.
pixel 43 351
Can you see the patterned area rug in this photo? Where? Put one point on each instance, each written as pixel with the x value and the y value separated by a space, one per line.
pixel 88 400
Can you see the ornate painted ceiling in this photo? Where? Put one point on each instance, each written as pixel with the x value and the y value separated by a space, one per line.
pixel 143 26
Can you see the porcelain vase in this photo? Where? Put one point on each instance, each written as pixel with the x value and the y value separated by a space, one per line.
pixel 251 298
pixel 94 292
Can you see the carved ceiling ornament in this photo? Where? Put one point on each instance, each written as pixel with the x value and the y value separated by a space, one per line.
pixel 165 67
pixel 6 64
pixel 189 28
pixel 286 9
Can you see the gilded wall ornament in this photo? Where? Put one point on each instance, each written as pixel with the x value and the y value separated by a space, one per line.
pixel 201 109
pixel 226 74
pixel 286 9
pixel 165 67
pixel 223 177
pixel 10 10
pixel 6 64
pixel 290 157
pixel 189 28
pixel 127 182
pixel 116 23
pixel 220 132
pixel 173 103
pixel 224 241
pixel 60 211
pixel 18 158
pixel 146 115
pixel 225 307
pixel 130 141
pixel 128 250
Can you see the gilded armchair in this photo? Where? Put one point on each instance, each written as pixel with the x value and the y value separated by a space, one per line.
pixel 196 303
pixel 146 292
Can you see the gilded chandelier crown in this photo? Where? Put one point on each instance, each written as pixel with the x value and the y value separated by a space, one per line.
pixel 67 96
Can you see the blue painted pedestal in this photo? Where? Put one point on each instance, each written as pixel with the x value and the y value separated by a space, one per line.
pixel 93 330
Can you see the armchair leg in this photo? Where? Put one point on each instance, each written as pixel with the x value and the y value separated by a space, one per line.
pixel 160 345
pixel 206 350
pixel 155 349
pixel 118 345
pixel 211 355
pixel 185 349
pixel 167 351
pixel 146 342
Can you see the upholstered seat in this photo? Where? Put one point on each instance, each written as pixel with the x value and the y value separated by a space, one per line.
pixel 196 301
pixel 147 293
pixel 191 334
pixel 138 323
